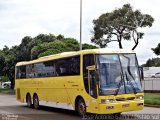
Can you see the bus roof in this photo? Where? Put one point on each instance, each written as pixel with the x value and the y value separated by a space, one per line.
pixel 73 53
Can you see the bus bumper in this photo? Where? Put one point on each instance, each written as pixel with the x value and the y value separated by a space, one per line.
pixel 119 107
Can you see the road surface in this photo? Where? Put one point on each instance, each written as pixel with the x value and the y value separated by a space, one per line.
pixel 10 109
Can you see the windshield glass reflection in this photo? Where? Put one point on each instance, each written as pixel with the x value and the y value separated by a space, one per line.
pixel 118 74
pixel 110 74
pixel 131 73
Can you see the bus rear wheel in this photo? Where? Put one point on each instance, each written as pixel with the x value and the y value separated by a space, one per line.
pixel 81 107
pixel 29 100
pixel 35 101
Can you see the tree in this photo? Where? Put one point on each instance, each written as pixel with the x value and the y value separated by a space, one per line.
pixel 154 62
pixel 24 49
pixel 120 24
pixel 33 48
pixel 48 48
pixel 157 49
pixel 3 79
pixel 57 46
pixel 8 61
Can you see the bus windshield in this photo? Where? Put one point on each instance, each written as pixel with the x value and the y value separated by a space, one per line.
pixel 118 74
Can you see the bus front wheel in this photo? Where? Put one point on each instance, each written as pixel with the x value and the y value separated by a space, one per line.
pixel 35 101
pixel 29 100
pixel 81 107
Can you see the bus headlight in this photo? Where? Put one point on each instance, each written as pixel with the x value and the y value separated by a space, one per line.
pixel 140 97
pixel 104 101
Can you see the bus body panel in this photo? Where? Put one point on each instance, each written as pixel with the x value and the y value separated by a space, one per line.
pixel 62 91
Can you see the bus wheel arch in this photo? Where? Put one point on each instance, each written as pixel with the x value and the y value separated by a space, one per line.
pixel 29 100
pixel 35 101
pixel 80 105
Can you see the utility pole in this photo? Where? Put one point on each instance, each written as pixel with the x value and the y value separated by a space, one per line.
pixel 80 24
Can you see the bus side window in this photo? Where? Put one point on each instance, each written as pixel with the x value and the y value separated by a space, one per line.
pixel 74 65
pixel 68 66
pixel 88 60
pixel 17 73
pixel 21 72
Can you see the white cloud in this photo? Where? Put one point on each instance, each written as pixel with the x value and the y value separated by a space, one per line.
pixel 20 18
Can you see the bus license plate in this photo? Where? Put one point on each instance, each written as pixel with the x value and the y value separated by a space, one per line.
pixel 125 105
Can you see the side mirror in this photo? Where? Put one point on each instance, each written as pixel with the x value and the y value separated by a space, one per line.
pixel 141 73
pixel 93 67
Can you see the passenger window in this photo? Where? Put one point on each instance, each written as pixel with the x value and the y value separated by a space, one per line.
pixel 68 66
pixel 21 72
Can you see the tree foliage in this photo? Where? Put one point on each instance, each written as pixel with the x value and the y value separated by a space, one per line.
pixel 154 62
pixel 7 62
pixel 33 48
pixel 157 49
pixel 4 79
pixel 120 24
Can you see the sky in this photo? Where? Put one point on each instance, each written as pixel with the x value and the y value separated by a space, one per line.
pixel 20 18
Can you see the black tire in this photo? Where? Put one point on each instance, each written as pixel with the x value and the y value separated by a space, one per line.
pixel 29 100
pixel 35 101
pixel 81 107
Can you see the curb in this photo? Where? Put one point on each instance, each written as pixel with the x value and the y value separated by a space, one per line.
pixel 149 105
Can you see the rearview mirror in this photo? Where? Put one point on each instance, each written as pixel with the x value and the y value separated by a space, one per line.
pixel 141 73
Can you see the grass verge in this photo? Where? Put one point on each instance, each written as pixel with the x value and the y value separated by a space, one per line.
pixel 152 98
pixel 7 91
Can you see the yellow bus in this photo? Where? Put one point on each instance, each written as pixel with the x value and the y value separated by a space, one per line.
pixel 99 81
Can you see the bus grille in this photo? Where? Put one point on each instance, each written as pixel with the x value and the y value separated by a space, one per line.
pixel 130 98
pixel 124 99
pixel 121 99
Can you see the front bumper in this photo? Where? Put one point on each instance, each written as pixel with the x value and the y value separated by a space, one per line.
pixel 119 107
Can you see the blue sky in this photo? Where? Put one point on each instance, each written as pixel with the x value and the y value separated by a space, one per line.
pixel 19 18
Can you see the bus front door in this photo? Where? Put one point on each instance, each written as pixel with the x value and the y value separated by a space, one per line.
pixel 92 82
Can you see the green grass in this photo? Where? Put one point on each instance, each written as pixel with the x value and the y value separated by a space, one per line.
pixel 7 91
pixel 152 98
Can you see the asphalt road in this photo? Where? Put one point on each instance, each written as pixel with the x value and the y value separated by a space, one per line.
pixel 10 109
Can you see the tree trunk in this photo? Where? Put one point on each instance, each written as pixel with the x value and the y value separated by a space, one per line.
pixel 12 79
pixel 136 40
pixel 120 40
pixel 12 84
pixel 120 44
pixel 135 45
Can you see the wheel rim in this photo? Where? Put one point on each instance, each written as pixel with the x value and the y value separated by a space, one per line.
pixel 82 108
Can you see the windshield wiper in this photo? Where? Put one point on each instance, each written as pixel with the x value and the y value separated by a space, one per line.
pixel 119 85
pixel 134 89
